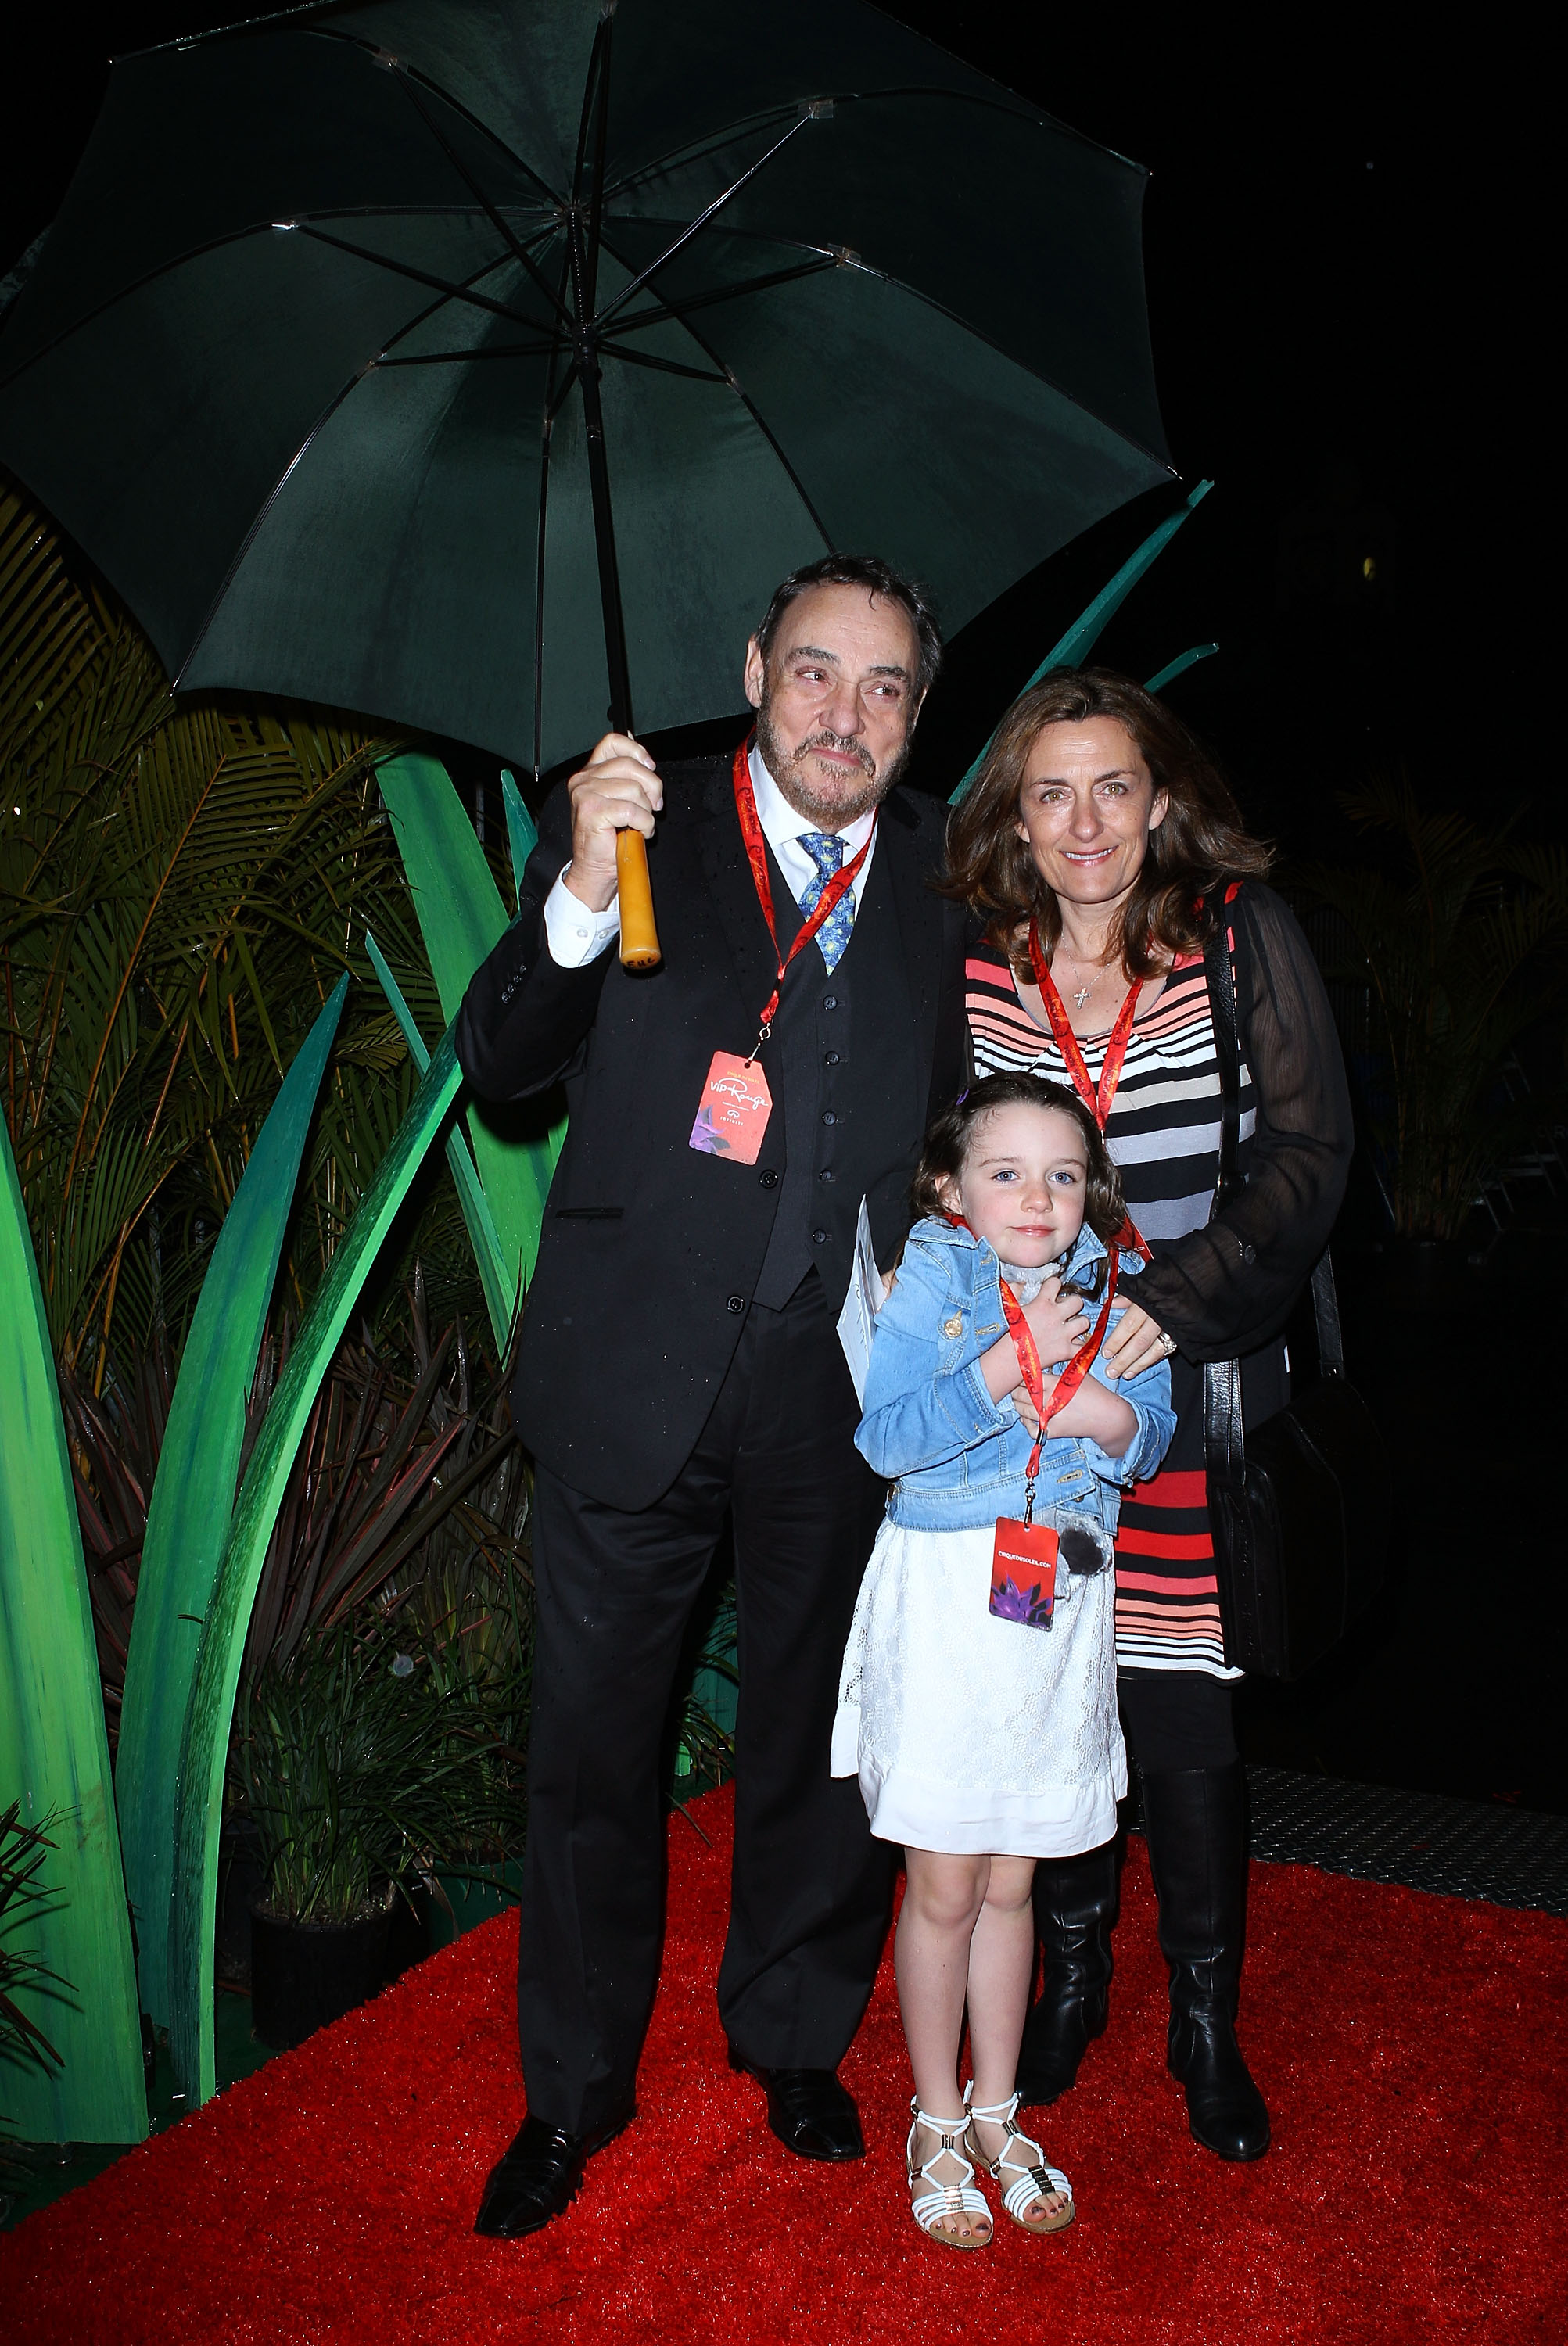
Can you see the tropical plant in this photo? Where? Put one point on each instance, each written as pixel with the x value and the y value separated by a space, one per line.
pixel 353 1762
pixel 180 887
pixel 22 1860
pixel 1459 939
pixel 116 1439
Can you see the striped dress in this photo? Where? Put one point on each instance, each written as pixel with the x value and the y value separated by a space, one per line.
pixel 1164 1134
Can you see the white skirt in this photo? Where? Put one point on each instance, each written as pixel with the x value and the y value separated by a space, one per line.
pixel 973 1736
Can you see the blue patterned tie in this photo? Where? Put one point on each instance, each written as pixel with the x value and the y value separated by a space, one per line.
pixel 826 853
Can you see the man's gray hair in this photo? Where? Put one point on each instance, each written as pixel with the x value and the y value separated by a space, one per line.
pixel 878 577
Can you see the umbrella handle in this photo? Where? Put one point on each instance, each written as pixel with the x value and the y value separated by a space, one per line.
pixel 639 937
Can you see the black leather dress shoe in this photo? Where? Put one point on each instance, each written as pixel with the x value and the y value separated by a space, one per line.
pixel 808 2110
pixel 537 2177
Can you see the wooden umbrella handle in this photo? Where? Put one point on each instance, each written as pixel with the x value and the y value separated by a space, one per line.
pixel 639 936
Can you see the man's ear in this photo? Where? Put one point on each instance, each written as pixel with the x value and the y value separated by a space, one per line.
pixel 914 713
pixel 756 673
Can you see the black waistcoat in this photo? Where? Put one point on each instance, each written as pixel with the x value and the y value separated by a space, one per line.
pixel 842 1046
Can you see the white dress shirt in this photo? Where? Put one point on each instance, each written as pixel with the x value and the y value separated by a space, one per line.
pixel 577 935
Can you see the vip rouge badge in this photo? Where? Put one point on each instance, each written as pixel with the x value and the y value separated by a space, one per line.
pixel 1024 1572
pixel 735 1109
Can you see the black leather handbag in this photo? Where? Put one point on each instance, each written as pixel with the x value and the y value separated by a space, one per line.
pixel 1299 1507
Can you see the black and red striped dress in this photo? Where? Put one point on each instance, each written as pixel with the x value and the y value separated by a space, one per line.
pixel 1164 1134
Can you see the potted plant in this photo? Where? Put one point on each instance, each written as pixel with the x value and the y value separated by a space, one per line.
pixel 1453 939
pixel 351 1761
pixel 363 1750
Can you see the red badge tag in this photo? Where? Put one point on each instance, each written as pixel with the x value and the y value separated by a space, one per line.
pixel 1024 1572
pixel 733 1114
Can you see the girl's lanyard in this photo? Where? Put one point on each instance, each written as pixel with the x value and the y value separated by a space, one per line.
pixel 757 856
pixel 1034 1375
pixel 735 1105
pixel 1098 1102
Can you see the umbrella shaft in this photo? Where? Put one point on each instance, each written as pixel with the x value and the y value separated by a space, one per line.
pixel 620 708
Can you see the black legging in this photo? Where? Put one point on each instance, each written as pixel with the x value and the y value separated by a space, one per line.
pixel 1176 1719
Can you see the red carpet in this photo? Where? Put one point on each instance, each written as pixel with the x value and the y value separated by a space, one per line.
pixel 1411 2047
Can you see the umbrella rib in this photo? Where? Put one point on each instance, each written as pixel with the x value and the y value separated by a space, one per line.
pixel 660 316
pixel 414 73
pixel 845 259
pixel 700 222
pixel 1016 111
pixel 663 366
pixel 744 396
pixel 422 276
pixel 453 358
pixel 280 483
pixel 406 80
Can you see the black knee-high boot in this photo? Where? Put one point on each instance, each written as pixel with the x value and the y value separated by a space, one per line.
pixel 1074 1907
pixel 1195 1822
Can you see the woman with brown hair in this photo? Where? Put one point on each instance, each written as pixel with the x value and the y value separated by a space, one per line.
pixel 1099 845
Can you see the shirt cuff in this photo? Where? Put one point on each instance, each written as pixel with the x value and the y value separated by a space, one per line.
pixel 574 934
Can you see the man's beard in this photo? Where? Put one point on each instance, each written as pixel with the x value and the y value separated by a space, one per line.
pixel 791 770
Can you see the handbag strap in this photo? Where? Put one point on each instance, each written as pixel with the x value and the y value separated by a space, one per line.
pixel 1221 1396
pixel 1224 1435
pixel 1227 1049
pixel 1326 1311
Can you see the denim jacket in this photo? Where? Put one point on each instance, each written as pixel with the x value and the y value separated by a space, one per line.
pixel 954 1456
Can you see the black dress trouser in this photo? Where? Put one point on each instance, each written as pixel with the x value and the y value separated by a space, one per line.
pixel 811 1890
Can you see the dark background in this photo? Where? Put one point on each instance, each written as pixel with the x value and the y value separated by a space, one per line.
pixel 1336 351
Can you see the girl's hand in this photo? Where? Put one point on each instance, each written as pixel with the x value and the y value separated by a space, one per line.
pixel 1134 1344
pixel 1027 1413
pixel 1058 1323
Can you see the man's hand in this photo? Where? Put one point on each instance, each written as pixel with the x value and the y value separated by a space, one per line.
pixel 618 790
pixel 1058 1323
pixel 1134 1344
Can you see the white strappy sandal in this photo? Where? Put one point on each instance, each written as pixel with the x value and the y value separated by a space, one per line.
pixel 1033 2177
pixel 945 2199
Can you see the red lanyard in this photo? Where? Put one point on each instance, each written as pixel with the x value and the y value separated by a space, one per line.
pixel 1098 1103
pixel 757 856
pixel 1034 1376
pixel 1028 1367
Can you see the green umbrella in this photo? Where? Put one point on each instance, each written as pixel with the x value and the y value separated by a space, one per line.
pixel 483 366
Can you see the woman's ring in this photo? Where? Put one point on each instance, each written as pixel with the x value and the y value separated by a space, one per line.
pixel 1168 1343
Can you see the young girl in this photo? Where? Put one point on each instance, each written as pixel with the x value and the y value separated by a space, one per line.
pixel 978 1701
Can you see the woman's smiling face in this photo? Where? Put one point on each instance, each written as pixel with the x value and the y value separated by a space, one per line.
pixel 1024 1184
pixel 1086 808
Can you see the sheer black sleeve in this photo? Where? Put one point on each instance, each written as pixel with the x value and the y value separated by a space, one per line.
pixel 1228 1288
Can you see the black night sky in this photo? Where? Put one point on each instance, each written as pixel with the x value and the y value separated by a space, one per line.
pixel 1289 219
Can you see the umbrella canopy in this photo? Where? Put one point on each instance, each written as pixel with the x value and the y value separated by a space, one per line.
pixel 480 364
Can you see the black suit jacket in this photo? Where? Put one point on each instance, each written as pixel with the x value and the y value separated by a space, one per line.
pixel 650 1250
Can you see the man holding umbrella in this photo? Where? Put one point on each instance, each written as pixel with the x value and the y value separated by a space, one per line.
pixel 680 1362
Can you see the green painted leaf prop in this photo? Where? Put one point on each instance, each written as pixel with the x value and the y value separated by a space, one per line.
pixel 199 1799
pixel 461 918
pixel 522 831
pixel 54 1754
pixel 1180 666
pixel 1085 632
pixel 193 1499
pixel 500 1300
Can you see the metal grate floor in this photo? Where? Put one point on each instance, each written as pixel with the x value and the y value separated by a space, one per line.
pixel 1463 1849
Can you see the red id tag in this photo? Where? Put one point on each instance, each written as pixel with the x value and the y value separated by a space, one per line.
pixel 734 1110
pixel 1024 1572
